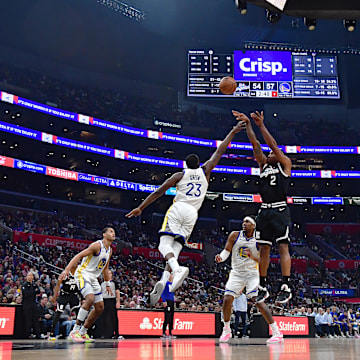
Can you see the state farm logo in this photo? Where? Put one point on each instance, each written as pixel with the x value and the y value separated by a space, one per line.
pixel 292 325
pixel 146 325
pixel 158 324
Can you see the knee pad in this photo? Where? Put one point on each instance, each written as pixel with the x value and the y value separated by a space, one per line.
pixel 166 245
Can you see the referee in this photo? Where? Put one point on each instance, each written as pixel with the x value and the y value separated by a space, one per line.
pixel 168 302
pixel 109 319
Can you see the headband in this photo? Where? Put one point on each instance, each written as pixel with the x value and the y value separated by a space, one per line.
pixel 250 219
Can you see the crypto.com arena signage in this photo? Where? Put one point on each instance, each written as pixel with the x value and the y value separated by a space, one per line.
pixel 137 322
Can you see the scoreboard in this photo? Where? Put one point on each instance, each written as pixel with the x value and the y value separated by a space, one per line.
pixel 264 74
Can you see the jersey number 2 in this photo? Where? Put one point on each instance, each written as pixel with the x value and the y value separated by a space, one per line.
pixel 195 189
pixel 273 180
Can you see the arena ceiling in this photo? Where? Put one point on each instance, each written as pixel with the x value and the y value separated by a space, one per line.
pixel 83 33
pixel 316 9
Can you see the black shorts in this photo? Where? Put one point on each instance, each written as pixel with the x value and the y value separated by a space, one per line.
pixel 71 299
pixel 272 225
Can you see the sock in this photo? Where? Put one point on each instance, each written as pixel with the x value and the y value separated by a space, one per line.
pixel 82 314
pixel 173 263
pixel 165 277
pixel 83 330
pixel 227 323
pixel 76 327
pixel 274 328
pixel 286 280
pixel 263 281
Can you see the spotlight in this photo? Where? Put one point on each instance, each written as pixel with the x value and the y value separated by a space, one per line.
pixel 241 5
pixel 310 23
pixel 349 25
pixel 272 17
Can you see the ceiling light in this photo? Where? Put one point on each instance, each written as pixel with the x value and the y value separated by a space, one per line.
pixel 272 17
pixel 310 23
pixel 349 25
pixel 241 6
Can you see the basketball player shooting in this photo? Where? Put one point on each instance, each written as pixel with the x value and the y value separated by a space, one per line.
pixel 179 221
pixel 273 218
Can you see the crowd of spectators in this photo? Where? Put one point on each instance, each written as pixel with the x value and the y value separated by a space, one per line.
pixel 118 107
pixel 135 275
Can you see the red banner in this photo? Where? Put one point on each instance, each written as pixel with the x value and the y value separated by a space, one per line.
pixel 7 320
pixel 332 228
pixel 298 265
pixel 155 254
pixel 342 264
pixel 53 241
pixel 6 161
pixel 137 322
pixel 192 245
pixel 292 325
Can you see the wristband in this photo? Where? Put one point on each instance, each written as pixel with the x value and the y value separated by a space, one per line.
pixel 107 283
pixel 224 255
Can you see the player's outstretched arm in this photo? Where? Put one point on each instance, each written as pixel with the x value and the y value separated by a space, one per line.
pixel 92 249
pixel 209 165
pixel 172 181
pixel 258 153
pixel 228 247
pixel 271 142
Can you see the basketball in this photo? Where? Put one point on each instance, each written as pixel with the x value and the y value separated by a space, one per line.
pixel 227 85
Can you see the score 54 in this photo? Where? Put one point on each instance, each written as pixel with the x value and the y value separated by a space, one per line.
pixel 261 85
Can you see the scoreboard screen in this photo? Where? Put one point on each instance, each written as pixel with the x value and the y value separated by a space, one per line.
pixel 264 74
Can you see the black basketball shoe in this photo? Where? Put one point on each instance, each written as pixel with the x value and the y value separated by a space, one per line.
pixel 284 295
pixel 263 294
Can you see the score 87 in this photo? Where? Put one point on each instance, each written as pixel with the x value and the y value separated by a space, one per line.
pixel 271 86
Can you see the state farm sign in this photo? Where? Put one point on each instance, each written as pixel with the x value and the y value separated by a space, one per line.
pixel 292 325
pixel 7 320
pixel 137 322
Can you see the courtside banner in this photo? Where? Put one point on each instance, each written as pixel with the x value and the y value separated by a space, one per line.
pixel 137 322
pixel 53 241
pixel 292 325
pixel 7 320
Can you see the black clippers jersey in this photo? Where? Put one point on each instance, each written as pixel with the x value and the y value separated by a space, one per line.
pixel 68 286
pixel 273 183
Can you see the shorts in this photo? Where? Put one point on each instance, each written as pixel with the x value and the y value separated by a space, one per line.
pixel 180 220
pixel 88 284
pixel 272 225
pixel 71 299
pixel 238 281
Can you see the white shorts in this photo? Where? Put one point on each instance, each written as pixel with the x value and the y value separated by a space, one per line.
pixel 88 284
pixel 180 220
pixel 237 282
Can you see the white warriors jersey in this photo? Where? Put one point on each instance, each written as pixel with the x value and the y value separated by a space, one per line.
pixel 241 262
pixel 192 188
pixel 93 265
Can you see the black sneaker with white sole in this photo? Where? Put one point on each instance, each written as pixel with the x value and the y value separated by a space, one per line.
pixel 156 293
pixel 284 295
pixel 263 294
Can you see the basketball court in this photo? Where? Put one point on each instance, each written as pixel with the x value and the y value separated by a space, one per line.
pixel 183 348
